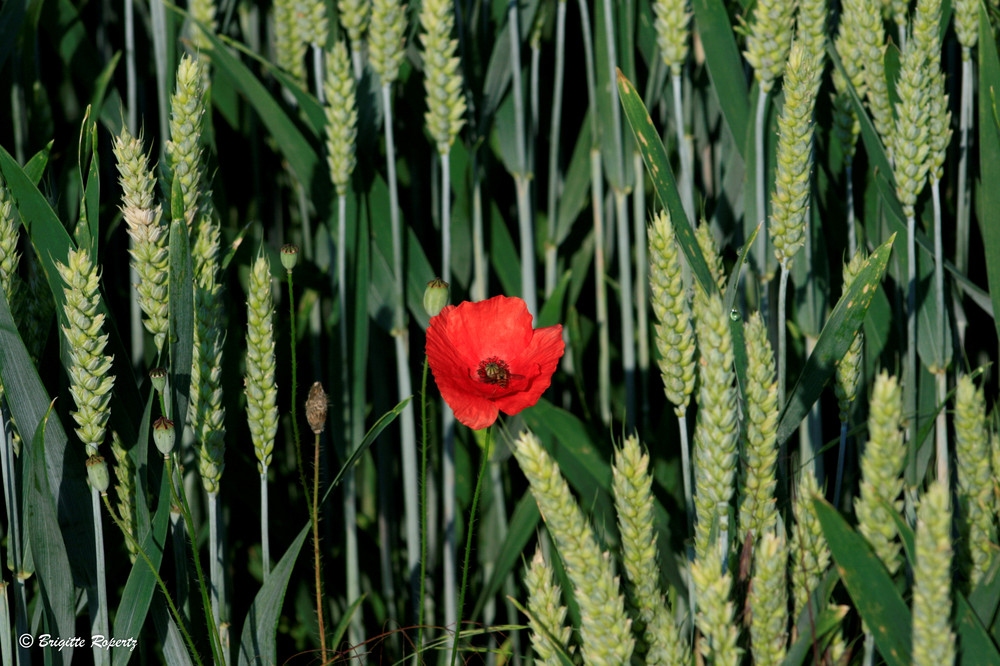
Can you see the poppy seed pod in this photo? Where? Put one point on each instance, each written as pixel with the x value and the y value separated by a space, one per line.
pixel 316 408
pixel 289 256
pixel 97 472
pixel 435 297
pixel 159 378
pixel 163 435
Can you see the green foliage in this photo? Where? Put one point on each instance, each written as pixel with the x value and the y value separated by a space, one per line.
pixel 239 152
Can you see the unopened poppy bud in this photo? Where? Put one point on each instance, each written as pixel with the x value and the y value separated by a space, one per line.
pixel 163 435
pixel 159 378
pixel 316 408
pixel 289 256
pixel 97 472
pixel 435 296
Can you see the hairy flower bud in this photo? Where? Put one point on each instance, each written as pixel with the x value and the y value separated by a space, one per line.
pixel 316 408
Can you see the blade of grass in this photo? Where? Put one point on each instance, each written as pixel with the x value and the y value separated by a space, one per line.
pixel 876 598
pixel 258 638
pixel 989 156
pixel 835 338
pixel 725 66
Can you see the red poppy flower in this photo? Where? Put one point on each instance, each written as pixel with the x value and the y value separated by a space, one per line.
pixel 486 358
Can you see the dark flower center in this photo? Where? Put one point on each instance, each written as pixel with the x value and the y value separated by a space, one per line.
pixel 494 370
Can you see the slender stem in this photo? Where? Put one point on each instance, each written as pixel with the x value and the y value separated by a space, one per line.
pixel 641 280
pixel 941 427
pixel 449 554
pixel 179 496
pixel 911 336
pixel 100 622
pixel 684 149
pixel 446 216
pixel 402 346
pixel 603 336
pixel 295 402
pixel 782 344
pixel 468 541
pixel 525 222
pixel 760 190
pixel 852 234
pixel 318 76
pixel 841 454
pixel 216 550
pixel 423 505
pixel 626 299
pixel 265 537
pixel 181 625
pixel 555 127
pixel 965 125
pixel 317 571
pixel 479 258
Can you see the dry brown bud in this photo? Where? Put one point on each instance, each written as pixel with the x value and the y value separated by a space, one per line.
pixel 316 408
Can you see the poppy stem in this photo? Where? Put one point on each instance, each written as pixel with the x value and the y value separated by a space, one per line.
pixel 295 420
pixel 468 540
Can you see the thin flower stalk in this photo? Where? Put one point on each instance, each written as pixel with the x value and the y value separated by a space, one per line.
pixel 261 390
pixel 316 413
pixel 555 127
pixel 605 630
pixel 769 38
pixel 715 617
pixel 967 31
pixel 973 466
pixel 717 433
pixel 933 637
pixel 790 201
pixel 848 375
pixel 147 232
pixel 548 614
pixel 758 508
pixel 926 27
pixel 341 134
pixel 768 598
pixel 632 485
pixel 91 382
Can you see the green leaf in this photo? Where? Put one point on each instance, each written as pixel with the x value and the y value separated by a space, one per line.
pixel 989 158
pixel 52 567
pixel 181 297
pixel 725 66
pixel 369 439
pixel 834 340
pixel 29 404
pixel 869 584
pixel 140 587
pixel 257 641
pixel 816 620
pixel 655 157
pixel 522 526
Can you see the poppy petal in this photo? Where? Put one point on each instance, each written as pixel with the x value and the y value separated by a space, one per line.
pixel 460 338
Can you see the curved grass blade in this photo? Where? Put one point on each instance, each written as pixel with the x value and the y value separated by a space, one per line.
pixel 989 157
pixel 815 621
pixel 725 66
pixel 257 640
pixel 834 340
pixel 369 439
pixel 870 587
pixel 52 567
pixel 140 587
pixel 561 652
pixel 654 155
